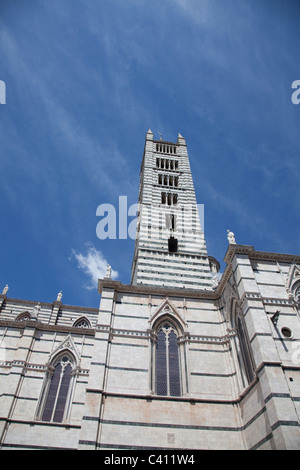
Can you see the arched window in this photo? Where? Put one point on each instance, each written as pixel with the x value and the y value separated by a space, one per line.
pixel 57 389
pixel 242 348
pixel 296 292
pixel 82 323
pixel 167 362
pixel 24 316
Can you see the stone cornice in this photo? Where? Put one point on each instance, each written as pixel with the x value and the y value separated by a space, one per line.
pixel 117 286
pixel 236 249
pixel 55 303
pixel 151 290
pixel 232 250
pixel 283 257
pixel 47 327
pixel 259 255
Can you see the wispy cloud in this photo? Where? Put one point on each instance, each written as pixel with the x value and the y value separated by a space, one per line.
pixel 93 264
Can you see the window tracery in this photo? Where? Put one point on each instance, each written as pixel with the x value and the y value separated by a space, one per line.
pixel 57 389
pixel 297 294
pixel 24 316
pixel 82 323
pixel 167 363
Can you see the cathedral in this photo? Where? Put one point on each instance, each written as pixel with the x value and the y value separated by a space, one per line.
pixel 183 357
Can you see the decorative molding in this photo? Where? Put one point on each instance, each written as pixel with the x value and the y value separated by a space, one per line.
pixel 38 367
pixel 251 296
pixel 292 284
pixel 234 249
pixel 152 290
pixel 264 255
pixel 168 309
pixel 209 339
pixel 47 327
pixel 133 333
pixel 186 337
pixel 273 301
pixel 67 344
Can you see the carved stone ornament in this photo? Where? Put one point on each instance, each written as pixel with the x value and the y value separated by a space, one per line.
pixel 59 296
pixel 68 344
pixel 167 308
pixel 108 272
pixel 231 237
pixel 4 292
pixel 292 283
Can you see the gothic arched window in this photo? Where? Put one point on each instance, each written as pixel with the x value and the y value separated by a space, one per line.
pixel 57 389
pixel 82 323
pixel 244 350
pixel 167 366
pixel 24 316
pixel 296 291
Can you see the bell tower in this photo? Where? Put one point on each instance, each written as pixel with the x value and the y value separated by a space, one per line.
pixel 170 248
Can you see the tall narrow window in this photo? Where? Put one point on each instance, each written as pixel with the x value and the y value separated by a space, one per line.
pixel 245 353
pixel 173 221
pixel 167 371
pixel 58 390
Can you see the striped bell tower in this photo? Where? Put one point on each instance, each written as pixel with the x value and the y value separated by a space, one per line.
pixel 170 248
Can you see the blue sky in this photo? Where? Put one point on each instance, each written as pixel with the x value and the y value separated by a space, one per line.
pixel 86 79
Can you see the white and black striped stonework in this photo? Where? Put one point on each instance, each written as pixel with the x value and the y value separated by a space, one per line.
pixel 170 248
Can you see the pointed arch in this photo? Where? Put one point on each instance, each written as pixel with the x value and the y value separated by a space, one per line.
pixel 168 310
pixel 67 345
pixel 82 322
pixel 293 277
pixel 296 292
pixel 242 346
pixel 58 386
pixel 24 316
pixel 168 351
pixel 167 360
